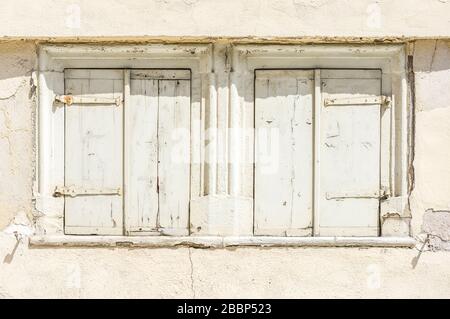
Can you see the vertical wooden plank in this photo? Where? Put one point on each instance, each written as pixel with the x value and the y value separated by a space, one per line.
pixel 386 144
pixel 174 156
pixel 93 153
pixel 234 139
pixel 283 153
pixel 316 139
pixel 211 154
pixel 198 101
pixel 350 155
pixel 141 137
pixel 248 80
pixel 126 147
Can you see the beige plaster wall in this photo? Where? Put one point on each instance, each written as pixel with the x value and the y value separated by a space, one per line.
pixel 17 109
pixel 432 137
pixel 234 18
pixel 239 273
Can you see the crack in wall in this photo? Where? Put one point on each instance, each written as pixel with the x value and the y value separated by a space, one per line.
pixel 19 87
pixel 436 226
pixel 412 123
pixel 434 55
pixel 192 273
pixel 7 125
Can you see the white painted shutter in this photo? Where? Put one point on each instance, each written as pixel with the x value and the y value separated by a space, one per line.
pixel 158 152
pixel 349 152
pixel 93 152
pixel 283 152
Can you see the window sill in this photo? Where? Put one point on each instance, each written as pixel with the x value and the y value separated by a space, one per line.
pixel 217 242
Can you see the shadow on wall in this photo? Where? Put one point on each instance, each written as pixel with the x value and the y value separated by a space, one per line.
pixel 430 201
pixel 17 106
pixel 431 55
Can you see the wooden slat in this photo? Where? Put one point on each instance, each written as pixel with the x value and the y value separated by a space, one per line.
pixel 141 129
pixel 174 155
pixel 93 74
pixel 350 74
pixel 160 74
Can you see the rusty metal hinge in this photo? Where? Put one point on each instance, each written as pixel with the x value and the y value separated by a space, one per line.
pixel 70 99
pixel 74 191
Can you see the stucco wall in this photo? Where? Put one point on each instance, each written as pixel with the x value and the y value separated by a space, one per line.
pixel 431 196
pixel 246 272
pixel 17 107
pixel 234 18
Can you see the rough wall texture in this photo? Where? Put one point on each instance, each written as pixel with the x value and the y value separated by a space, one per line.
pixel 240 273
pixel 183 272
pixel 234 18
pixel 17 107
pixel 430 200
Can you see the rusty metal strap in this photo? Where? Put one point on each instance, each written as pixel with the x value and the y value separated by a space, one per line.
pixel 365 100
pixel 382 194
pixel 74 191
pixel 87 101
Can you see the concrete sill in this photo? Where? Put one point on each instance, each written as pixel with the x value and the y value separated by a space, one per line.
pixel 217 242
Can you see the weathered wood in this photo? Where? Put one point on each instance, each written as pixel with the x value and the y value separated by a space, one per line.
pixel 93 152
pixel 218 242
pixel 316 156
pixel 160 74
pixel 158 153
pixel 141 138
pixel 284 152
pixel 174 155
pixel 349 154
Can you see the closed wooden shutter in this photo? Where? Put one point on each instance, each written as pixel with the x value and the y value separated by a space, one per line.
pixel 158 152
pixel 93 152
pixel 283 154
pixel 318 152
pixel 127 152
pixel 349 196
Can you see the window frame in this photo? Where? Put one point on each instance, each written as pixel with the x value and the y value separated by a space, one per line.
pixel 390 59
pixel 54 59
pixel 206 63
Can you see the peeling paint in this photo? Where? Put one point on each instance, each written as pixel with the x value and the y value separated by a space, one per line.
pixel 436 224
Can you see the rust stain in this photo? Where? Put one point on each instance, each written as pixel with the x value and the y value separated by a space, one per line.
pixel 68 99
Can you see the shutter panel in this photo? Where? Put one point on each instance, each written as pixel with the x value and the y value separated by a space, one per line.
pixel 349 153
pixel 174 155
pixel 141 190
pixel 283 154
pixel 158 151
pixel 93 152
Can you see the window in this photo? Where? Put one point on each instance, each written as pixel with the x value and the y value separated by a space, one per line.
pixel 223 145
pixel 340 117
pixel 120 138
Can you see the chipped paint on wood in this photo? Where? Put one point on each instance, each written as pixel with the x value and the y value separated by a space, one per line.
pixel 93 153
pixel 284 152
